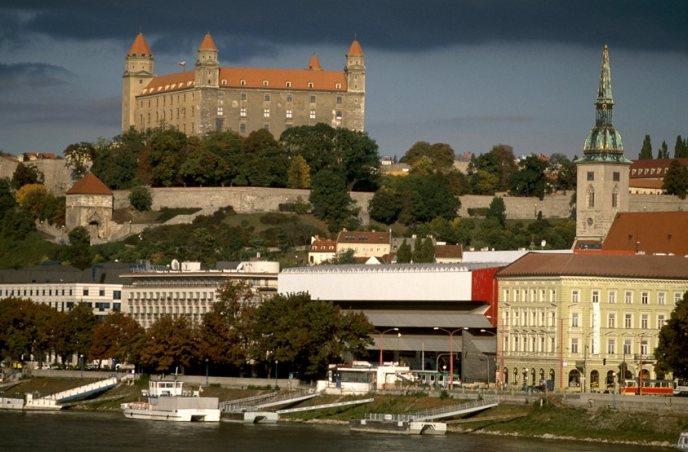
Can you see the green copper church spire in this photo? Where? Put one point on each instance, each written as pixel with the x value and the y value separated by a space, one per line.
pixel 604 142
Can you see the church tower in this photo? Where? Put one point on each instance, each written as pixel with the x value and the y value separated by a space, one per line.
pixel 355 80
pixel 139 68
pixel 210 111
pixel 602 173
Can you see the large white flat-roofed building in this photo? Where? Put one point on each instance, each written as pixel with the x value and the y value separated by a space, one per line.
pixel 63 287
pixel 413 307
pixel 184 289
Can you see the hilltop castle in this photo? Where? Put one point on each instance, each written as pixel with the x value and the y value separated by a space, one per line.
pixel 214 98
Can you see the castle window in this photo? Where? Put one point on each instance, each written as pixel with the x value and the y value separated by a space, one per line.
pixel 312 114
pixel 266 113
pixel 310 84
pixel 224 82
pixel 289 114
pixel 242 112
pixel 312 99
pixel 242 128
pixel 338 114
pixel 266 126
pixel 266 98
pixel 289 98
pixel 242 82
pixel 288 84
pixel 219 111
pixel 243 96
pixel 339 99
pixel 338 86
pixel 591 175
pixel 265 83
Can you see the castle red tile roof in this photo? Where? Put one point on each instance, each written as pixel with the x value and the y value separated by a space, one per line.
pixel 255 78
pixel 89 185
pixel 596 265
pixel 649 233
pixel 208 43
pixel 355 49
pixel 139 47
pixel 363 237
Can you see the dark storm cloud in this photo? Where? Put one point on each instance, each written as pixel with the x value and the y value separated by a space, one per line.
pixel 386 24
pixel 33 75
pixel 100 112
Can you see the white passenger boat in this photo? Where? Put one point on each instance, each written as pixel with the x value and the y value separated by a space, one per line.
pixel 167 402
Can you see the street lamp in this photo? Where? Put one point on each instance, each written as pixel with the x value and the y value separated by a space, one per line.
pixel 451 351
pixel 382 334
pixel 276 363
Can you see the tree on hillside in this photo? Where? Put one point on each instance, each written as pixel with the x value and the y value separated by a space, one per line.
pixel 266 162
pixel 7 200
pixel 530 178
pixel 676 180
pixel 307 334
pixel 354 154
pixel 40 204
pixel 497 211
pixel 646 150
pixel 427 197
pixel 482 182
pixel 562 171
pixel 404 254
pixel 115 163
pixel 331 201
pixel 26 174
pixel 225 335
pixel 170 344
pixel 441 155
pixel 663 151
pixel 299 174
pixel 499 162
pixel 680 148
pixel 672 349
pixel 79 157
pixel 140 199
pixel 227 146
pixel 424 251
pixel 385 205
pixel 79 252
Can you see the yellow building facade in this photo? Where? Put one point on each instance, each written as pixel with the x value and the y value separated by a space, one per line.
pixel 579 320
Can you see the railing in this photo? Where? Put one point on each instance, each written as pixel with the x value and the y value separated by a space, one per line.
pixel 64 395
pixel 264 400
pixel 432 413
pixel 230 405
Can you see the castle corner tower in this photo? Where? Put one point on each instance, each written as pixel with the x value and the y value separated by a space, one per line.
pixel 602 172
pixel 139 69
pixel 356 83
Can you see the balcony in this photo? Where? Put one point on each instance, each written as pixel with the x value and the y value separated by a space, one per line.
pixel 644 358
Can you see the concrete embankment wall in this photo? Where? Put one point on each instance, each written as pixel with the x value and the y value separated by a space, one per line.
pixel 656 203
pixel 58 177
pixel 238 382
pixel 628 403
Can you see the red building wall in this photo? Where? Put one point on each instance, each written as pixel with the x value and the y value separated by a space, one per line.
pixel 484 288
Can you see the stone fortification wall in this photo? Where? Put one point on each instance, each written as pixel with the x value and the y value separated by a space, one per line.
pixel 656 203
pixel 521 208
pixel 58 177
pixel 242 199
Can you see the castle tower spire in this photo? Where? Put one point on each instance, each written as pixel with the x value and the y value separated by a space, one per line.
pixel 139 67
pixel 604 141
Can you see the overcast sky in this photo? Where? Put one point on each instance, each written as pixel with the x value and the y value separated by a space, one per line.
pixel 469 73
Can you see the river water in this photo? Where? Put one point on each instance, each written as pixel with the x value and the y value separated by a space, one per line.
pixel 80 431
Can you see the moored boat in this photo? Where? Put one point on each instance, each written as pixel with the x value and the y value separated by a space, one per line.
pixel 167 402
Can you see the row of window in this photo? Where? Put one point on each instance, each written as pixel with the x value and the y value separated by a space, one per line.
pixel 116 294
pixel 266 98
pixel 628 297
pixel 527 317
pixel 533 295
pixel 616 176
pixel 176 309
pixel 206 295
pixel 590 197
pixel 541 344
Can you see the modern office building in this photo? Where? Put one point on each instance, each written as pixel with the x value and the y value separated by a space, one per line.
pixel 185 289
